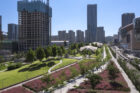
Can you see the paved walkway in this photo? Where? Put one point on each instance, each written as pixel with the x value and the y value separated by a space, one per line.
pixel 129 82
pixel 49 71
pixel 78 81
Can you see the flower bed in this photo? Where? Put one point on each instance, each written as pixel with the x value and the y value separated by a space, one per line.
pixel 105 85
pixel 17 90
pixel 38 85
pixel 58 77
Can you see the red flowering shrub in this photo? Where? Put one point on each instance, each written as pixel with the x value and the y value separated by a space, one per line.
pixel 17 90
pixel 105 86
pixel 38 85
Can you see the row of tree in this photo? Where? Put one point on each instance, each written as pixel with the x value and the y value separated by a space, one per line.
pixel 41 53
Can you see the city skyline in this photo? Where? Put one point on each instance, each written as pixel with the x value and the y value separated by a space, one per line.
pixel 63 18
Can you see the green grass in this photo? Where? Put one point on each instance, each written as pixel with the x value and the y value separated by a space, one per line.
pixel 64 63
pixel 93 56
pixel 78 55
pixel 24 73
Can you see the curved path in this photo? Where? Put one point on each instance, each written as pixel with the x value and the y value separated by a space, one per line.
pixel 129 82
pixel 49 71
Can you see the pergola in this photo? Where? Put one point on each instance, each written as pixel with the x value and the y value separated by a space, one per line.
pixel 88 48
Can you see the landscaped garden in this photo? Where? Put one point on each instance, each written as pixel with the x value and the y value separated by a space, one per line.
pixel 41 66
pixel 65 62
pixel 108 81
pixel 57 79
pixel 25 72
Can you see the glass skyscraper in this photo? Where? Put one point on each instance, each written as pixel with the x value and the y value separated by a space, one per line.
pixel 92 22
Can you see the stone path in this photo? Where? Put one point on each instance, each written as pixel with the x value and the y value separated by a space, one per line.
pixel 49 71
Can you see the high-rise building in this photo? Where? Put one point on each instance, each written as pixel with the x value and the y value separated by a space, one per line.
pixel 100 34
pixel 127 18
pixel 34 21
pixel 109 39
pixel 80 36
pixel 71 36
pixel 13 32
pixel 87 36
pixel 92 22
pixel 54 38
pixel 62 35
pixel 1 35
pixel 0 23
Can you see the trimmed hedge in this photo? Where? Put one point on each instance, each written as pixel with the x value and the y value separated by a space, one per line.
pixel 14 66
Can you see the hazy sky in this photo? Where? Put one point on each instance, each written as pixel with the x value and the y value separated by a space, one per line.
pixel 72 14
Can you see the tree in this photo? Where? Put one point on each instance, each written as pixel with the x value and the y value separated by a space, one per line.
pixel 65 43
pixel 63 49
pixel 30 57
pixel 89 53
pixel 94 79
pixel 113 71
pixel 54 50
pixel 47 78
pixel 84 53
pixel 48 52
pixel 1 59
pixel 59 51
pixel 40 54
pixel 97 52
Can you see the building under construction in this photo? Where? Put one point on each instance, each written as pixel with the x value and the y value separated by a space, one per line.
pixel 34 20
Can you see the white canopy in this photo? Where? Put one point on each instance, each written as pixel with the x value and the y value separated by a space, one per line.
pixel 88 48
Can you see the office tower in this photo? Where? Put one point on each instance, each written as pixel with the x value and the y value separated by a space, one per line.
pixel 13 32
pixel 92 22
pixel 1 35
pixel 100 34
pixel 54 38
pixel 109 39
pixel 80 36
pixel 0 23
pixel 71 36
pixel 87 36
pixel 34 24
pixel 62 35
pixel 127 18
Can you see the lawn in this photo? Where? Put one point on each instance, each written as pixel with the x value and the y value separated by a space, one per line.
pixel 65 62
pixel 25 72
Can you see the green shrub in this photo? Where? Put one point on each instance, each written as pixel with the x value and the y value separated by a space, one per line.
pixel 132 74
pixel 94 79
pixel 47 78
pixel 2 66
pixel 74 72
pixel 113 71
pixel 14 66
